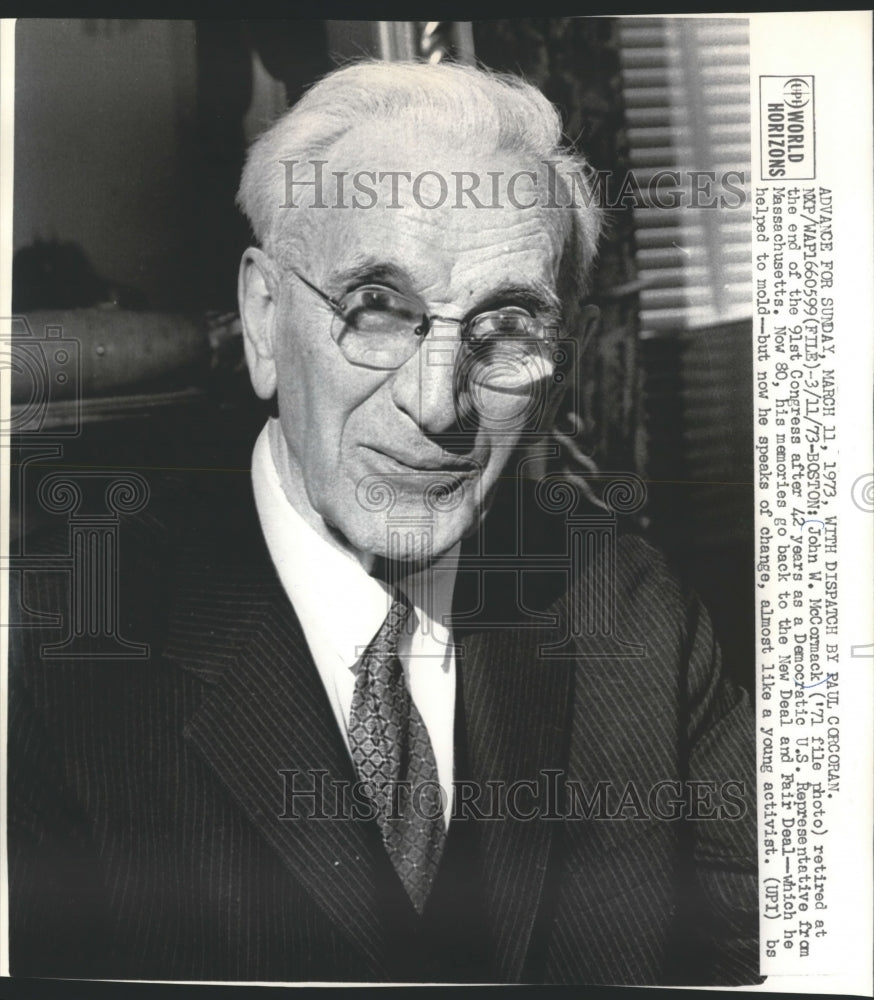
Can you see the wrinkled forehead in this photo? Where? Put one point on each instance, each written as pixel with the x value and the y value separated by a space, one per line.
pixel 393 182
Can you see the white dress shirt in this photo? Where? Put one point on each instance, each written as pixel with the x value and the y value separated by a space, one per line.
pixel 341 607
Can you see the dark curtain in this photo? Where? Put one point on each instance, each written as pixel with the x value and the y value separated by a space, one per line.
pixel 294 52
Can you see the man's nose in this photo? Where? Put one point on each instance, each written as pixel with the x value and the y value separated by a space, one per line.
pixel 425 387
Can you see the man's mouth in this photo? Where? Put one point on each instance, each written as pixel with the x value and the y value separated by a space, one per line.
pixel 438 464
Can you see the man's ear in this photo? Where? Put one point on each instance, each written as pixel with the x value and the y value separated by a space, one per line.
pixel 257 294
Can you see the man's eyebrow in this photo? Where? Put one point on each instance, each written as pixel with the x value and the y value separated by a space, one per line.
pixel 537 295
pixel 371 269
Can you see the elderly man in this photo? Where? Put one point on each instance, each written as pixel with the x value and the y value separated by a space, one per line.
pixel 373 741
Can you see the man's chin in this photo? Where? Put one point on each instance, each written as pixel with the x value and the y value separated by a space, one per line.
pixel 412 536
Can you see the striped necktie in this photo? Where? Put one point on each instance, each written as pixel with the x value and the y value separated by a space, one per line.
pixel 395 761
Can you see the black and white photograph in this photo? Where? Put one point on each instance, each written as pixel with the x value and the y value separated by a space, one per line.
pixel 382 541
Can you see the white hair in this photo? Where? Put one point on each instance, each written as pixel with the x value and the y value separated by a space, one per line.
pixel 469 107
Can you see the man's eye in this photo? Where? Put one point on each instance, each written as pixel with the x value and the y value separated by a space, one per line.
pixel 373 308
pixel 368 297
pixel 377 298
pixel 503 324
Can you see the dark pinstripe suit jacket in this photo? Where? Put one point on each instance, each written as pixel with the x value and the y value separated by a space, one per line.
pixel 146 838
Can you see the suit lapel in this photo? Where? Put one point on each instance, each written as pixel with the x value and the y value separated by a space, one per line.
pixel 266 712
pixel 517 720
pixel 266 727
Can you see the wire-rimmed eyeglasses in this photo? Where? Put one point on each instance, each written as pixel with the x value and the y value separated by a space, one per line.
pixel 376 327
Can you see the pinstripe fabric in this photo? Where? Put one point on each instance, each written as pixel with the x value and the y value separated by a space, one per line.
pixel 146 798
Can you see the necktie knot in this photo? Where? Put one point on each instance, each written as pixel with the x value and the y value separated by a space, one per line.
pixel 384 645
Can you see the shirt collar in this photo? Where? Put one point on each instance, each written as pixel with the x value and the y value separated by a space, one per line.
pixel 340 606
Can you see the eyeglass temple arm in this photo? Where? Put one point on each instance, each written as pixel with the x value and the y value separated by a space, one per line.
pixel 333 303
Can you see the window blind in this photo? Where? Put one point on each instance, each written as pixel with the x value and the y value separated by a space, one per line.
pixel 685 84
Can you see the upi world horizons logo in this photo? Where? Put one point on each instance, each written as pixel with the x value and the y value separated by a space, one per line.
pixel 787 127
